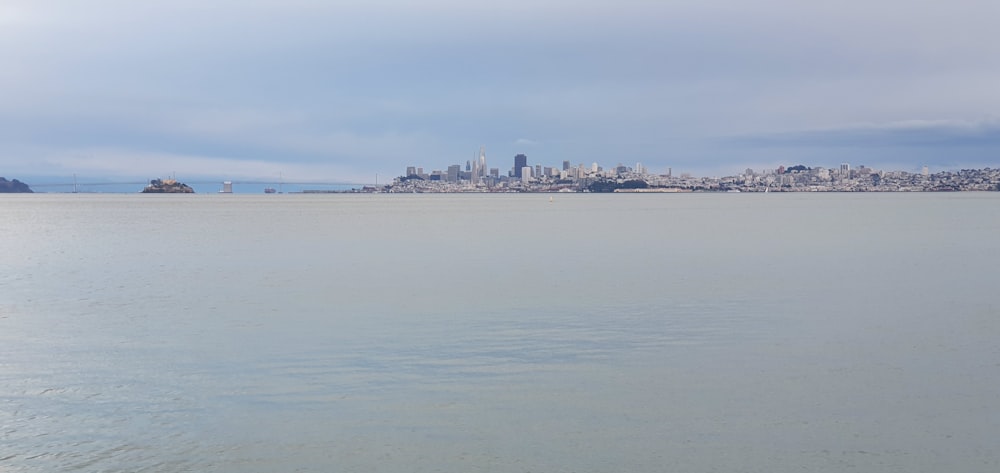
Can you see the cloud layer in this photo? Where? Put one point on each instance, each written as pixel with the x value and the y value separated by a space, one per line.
pixel 345 90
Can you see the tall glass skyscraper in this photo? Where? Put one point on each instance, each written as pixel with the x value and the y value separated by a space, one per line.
pixel 520 161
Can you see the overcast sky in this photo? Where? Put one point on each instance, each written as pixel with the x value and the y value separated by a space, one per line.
pixel 344 90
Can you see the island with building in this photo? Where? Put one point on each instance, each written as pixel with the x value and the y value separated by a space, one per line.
pixel 524 177
pixel 167 186
pixel 13 186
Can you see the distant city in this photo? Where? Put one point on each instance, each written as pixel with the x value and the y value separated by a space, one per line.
pixel 523 176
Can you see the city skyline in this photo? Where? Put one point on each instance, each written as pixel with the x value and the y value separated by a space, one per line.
pixel 524 177
pixel 477 177
pixel 346 91
pixel 476 169
pixel 477 166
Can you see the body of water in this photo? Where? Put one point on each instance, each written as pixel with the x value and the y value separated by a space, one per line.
pixel 500 333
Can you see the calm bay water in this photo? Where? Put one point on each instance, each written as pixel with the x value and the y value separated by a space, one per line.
pixel 506 333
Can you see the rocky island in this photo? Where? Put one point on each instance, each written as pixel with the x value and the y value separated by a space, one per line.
pixel 167 186
pixel 13 186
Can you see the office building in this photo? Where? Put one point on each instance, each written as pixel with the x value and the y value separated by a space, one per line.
pixel 525 173
pixel 520 162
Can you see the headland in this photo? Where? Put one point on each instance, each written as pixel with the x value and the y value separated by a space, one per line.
pixel 13 186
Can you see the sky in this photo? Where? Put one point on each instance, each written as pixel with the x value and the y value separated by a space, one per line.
pixel 344 91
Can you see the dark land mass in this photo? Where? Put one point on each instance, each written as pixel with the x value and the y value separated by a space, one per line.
pixel 167 186
pixel 13 186
pixel 607 185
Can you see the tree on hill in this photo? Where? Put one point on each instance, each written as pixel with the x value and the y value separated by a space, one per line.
pixel 606 185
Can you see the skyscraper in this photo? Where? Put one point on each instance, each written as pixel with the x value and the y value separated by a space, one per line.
pixel 520 162
pixel 474 171
pixel 479 166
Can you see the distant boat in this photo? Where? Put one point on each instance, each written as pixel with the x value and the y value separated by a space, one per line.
pixel 269 190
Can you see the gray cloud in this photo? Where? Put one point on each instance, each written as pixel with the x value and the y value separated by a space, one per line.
pixel 363 87
pixel 911 133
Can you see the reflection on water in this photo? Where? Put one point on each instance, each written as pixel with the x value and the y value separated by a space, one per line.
pixel 499 333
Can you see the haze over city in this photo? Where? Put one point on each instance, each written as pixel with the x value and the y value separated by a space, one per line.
pixel 345 91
